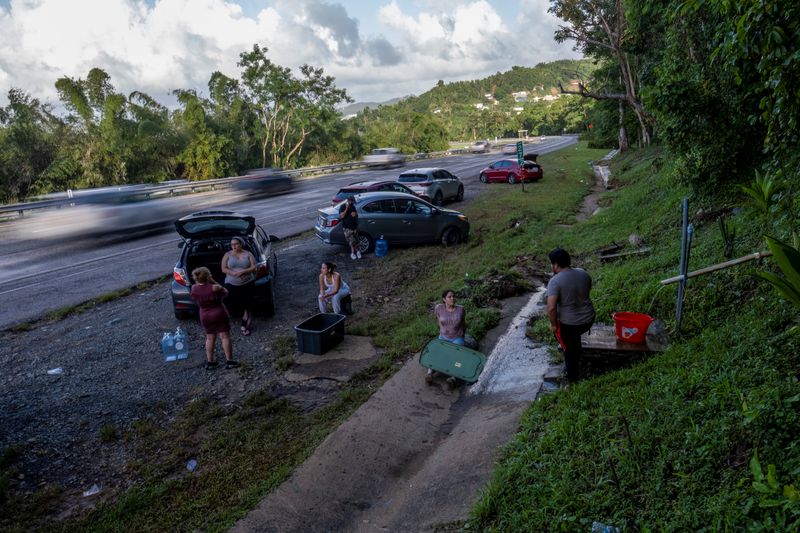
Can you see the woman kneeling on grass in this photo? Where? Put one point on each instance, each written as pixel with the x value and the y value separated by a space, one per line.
pixel 452 326
pixel 213 316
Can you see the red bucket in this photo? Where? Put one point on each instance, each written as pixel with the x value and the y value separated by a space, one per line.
pixel 631 327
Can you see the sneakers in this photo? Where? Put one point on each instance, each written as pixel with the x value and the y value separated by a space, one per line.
pixel 352 256
pixel 358 255
pixel 231 364
pixel 211 365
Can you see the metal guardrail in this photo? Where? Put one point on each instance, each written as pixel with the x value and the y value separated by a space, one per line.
pixel 77 197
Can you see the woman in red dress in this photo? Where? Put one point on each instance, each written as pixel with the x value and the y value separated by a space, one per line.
pixel 213 316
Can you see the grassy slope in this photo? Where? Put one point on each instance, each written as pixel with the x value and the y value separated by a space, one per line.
pixel 664 445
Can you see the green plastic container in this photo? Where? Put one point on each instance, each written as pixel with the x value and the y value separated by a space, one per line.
pixel 453 360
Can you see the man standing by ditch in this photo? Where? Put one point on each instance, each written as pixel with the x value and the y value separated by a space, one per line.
pixel 569 308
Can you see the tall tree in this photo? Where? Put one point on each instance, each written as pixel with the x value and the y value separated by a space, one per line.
pixel 289 109
pixel 28 144
pixel 599 29
pixel 100 117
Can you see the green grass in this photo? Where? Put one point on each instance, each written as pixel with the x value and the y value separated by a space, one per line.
pixel 664 445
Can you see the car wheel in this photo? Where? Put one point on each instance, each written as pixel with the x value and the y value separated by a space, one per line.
pixel 483 178
pixel 269 307
pixel 511 179
pixel 438 199
pixel 451 236
pixel 365 243
pixel 460 194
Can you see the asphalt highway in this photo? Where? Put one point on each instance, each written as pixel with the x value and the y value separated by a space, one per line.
pixel 39 275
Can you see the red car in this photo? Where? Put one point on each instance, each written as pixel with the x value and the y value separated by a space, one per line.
pixel 368 186
pixel 508 170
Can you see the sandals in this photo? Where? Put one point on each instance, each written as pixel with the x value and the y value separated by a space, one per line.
pixel 246 325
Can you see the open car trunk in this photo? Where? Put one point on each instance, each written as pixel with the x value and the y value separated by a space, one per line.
pixel 208 253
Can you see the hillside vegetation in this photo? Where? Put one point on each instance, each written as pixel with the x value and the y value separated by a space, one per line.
pixel 702 437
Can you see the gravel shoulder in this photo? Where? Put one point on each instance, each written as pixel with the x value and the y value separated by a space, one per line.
pixel 72 388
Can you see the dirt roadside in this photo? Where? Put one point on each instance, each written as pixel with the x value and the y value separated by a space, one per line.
pixel 413 457
pixel 73 389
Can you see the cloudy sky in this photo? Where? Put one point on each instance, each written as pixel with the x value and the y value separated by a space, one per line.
pixel 376 49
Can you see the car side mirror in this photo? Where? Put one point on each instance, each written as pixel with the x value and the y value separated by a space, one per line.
pixel 181 244
pixel 435 211
pixel 273 238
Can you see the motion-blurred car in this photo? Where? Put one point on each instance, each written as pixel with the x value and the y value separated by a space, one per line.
pixel 509 170
pixel 480 147
pixel 206 237
pixel 368 186
pixel 401 219
pixel 433 184
pixel 263 182
pixel 105 211
pixel 509 149
pixel 385 158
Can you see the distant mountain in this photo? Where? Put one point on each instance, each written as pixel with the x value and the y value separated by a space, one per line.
pixel 357 107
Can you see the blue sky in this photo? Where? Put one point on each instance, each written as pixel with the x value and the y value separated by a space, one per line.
pixel 377 50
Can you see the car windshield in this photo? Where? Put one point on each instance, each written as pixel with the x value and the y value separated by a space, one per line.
pixel 411 178
pixel 344 194
pixel 229 225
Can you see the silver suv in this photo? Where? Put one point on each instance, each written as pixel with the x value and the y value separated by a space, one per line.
pixel 385 158
pixel 480 147
pixel 433 184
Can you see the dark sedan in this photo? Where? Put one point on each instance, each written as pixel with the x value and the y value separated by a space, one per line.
pixel 206 237
pixel 399 218
pixel 368 186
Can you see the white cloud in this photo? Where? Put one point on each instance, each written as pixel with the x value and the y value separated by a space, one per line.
pixel 161 45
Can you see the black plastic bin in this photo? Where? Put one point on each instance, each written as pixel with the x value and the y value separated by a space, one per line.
pixel 320 333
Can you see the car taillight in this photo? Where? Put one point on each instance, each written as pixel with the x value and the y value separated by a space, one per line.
pixel 179 275
pixel 261 269
pixel 331 223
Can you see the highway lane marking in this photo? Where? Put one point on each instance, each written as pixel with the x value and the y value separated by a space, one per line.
pixel 60 277
pixel 93 260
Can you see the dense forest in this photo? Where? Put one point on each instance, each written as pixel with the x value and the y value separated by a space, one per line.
pixel 267 117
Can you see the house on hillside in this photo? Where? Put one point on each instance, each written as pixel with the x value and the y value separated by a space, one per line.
pixel 479 106
pixel 520 96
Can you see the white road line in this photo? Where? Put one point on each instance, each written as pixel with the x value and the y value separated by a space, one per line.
pixel 60 277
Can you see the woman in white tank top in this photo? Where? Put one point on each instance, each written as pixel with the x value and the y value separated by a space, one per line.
pixel 332 288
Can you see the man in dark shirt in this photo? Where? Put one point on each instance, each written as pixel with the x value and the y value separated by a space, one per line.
pixel 349 217
pixel 569 308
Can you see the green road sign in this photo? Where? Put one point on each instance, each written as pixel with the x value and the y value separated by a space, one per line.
pixel 519 152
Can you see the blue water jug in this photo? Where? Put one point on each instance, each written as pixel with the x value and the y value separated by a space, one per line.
pixel 168 347
pixel 381 247
pixel 181 344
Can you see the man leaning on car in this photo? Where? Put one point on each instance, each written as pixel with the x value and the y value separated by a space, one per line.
pixel 349 216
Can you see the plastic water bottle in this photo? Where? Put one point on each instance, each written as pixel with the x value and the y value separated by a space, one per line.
pixel 168 347
pixel 181 344
pixel 381 247
pixel 599 527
